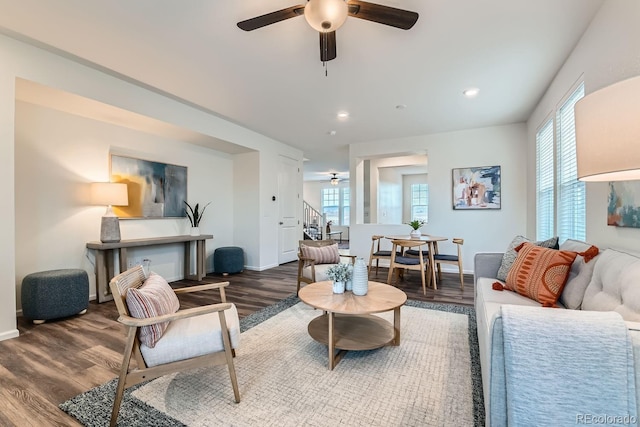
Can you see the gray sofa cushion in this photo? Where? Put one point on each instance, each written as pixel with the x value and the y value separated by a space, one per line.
pixel 579 276
pixel 510 254
pixel 615 285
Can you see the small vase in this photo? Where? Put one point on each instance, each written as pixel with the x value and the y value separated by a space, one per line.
pixel 348 286
pixel 195 231
pixel 360 277
pixel 338 287
pixel 415 234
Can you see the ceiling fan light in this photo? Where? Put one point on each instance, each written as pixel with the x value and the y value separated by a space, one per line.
pixel 326 15
pixel 335 180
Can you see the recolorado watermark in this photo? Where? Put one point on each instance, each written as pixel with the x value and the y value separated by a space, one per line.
pixel 606 419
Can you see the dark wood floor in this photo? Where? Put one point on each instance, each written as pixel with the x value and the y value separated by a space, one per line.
pixel 55 361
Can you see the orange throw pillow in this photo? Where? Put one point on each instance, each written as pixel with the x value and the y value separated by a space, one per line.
pixel 540 273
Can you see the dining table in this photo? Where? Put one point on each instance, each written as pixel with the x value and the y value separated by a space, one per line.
pixel 432 243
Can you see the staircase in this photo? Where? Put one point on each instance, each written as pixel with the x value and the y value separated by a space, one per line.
pixel 313 222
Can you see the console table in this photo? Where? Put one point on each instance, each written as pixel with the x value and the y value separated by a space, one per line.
pixel 105 258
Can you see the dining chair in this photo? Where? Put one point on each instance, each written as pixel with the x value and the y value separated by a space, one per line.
pixel 376 253
pixel 163 339
pixel 399 262
pixel 451 259
pixel 315 257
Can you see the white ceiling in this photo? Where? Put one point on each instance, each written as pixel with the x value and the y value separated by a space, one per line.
pixel 271 80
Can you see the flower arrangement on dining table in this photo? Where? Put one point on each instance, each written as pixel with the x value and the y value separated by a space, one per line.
pixel 416 224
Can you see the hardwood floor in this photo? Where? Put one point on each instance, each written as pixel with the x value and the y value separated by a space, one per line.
pixel 50 363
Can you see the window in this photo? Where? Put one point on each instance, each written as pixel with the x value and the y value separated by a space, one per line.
pixel 544 182
pixel 419 202
pixel 335 204
pixel 571 192
pixel 560 197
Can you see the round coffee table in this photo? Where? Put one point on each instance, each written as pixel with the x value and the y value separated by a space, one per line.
pixel 348 322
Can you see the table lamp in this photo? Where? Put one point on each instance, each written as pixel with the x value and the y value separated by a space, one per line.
pixel 109 194
pixel 608 133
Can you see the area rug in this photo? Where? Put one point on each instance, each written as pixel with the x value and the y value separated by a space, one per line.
pixel 431 379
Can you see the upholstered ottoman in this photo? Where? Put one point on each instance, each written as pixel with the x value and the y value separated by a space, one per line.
pixel 53 294
pixel 228 259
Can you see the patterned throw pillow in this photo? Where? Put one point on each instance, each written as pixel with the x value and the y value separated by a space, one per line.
pixel 323 255
pixel 540 273
pixel 510 254
pixel 154 298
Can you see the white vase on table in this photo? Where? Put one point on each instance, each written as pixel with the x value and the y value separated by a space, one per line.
pixel 415 234
pixel 360 277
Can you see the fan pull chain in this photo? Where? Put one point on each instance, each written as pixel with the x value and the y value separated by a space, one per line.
pixel 325 54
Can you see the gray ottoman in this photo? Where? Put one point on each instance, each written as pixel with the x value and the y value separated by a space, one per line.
pixel 53 294
pixel 228 259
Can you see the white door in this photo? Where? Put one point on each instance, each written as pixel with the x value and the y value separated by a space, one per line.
pixel 289 205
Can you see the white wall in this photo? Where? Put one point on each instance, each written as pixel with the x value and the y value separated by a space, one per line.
pixel 246 173
pixel 489 230
pixel 608 52
pixel 22 61
pixel 59 154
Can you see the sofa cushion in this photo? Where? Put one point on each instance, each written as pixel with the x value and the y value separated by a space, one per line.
pixel 579 276
pixel 615 285
pixel 540 273
pixel 510 254
pixel 154 298
pixel 321 255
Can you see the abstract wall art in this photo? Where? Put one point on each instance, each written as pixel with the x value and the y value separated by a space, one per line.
pixel 156 190
pixel 476 188
pixel 624 204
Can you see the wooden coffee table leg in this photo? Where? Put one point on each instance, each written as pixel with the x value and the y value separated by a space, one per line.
pixel 331 342
pixel 396 326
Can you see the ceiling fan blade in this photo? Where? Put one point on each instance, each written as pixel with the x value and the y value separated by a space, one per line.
pixel 327 46
pixel 399 18
pixel 271 18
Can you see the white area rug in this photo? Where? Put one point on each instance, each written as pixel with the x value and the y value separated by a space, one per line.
pixel 284 379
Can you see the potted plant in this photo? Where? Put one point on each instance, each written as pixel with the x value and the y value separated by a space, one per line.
pixel 340 274
pixel 195 215
pixel 415 225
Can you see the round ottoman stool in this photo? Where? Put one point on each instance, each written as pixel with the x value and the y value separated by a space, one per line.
pixel 53 294
pixel 228 259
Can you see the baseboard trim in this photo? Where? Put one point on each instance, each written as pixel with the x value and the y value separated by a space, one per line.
pixel 261 268
pixel 13 333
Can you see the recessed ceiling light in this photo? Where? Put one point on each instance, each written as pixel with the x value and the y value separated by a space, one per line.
pixel 471 92
pixel 332 133
pixel 401 106
pixel 343 115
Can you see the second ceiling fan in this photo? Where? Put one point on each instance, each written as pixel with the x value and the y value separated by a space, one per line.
pixel 326 16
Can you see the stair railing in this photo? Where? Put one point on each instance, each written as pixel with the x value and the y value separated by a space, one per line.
pixel 313 221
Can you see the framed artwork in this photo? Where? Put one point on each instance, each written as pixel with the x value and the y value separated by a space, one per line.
pixel 624 204
pixel 156 190
pixel 476 188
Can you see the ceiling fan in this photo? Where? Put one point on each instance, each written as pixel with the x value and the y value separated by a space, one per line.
pixel 326 16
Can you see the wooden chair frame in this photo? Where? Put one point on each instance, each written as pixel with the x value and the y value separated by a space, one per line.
pixel 441 259
pixel 305 262
pixel 421 267
pixel 376 253
pixel 128 377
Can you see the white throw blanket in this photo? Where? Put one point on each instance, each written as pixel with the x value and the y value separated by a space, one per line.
pixel 561 367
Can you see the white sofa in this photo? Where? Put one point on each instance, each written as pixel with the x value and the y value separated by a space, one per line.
pixel 609 282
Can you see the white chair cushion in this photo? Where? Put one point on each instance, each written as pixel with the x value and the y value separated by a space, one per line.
pixel 321 272
pixel 192 337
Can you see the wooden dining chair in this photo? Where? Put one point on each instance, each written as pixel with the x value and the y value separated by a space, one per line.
pixel 451 259
pixel 376 253
pixel 399 262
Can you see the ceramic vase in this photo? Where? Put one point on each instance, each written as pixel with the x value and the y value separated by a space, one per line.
pixel 415 234
pixel 338 287
pixel 195 231
pixel 360 277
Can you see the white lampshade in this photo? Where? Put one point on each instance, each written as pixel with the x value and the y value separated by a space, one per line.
pixel 608 133
pixel 109 194
pixel 326 15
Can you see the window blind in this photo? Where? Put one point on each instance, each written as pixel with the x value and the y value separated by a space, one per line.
pixel 544 182
pixel 571 215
